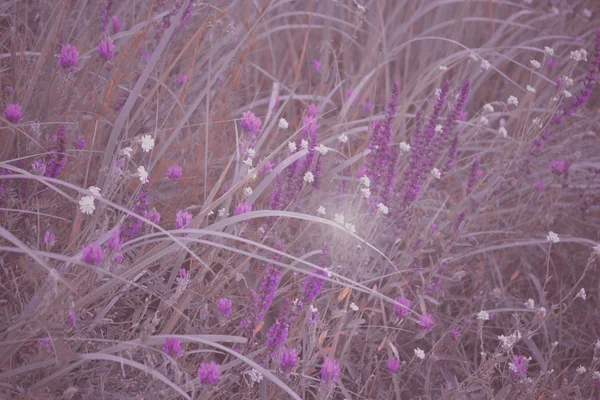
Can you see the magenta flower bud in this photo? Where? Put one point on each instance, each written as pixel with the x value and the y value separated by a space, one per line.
pixel 288 359
pixel 174 172
pixel 116 23
pixel 79 143
pixel 330 370
pixel 426 321
pixel 393 365
pixel 210 373
pixel 68 57
pixel 243 208
pixel 518 366
pixel 402 307
pixel 13 113
pixel 183 219
pixel 92 254
pixel 106 49
pixel 224 307
pixel 172 347
pixel 182 79
pixel 251 124
pixel 73 318
pixel 49 239
pixel 316 64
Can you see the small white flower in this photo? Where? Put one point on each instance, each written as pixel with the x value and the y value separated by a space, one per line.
pixel 552 237
pixel 419 353
pixel 147 143
pixel 483 315
pixel 339 218
pixel 328 272
pixel 579 55
pixel 321 210
pixel 404 147
pixel 581 369
pixel 322 149
pixel 292 147
pixel 143 174
pixel 535 64
pixel 366 192
pixel 587 13
pixel 581 294
pixel 596 375
pixel 350 227
pixel 537 121
pixel 530 89
pixel 304 144
pixel 503 132
pixel 567 80
pixel 512 100
pixel 567 94
pixel 554 99
pixel 297 302
pixel 365 181
pixel 597 250
pixel 443 68
pixel 86 205
pixel 248 191
pixel 530 304
pixel 488 107
pixel 382 208
pixel 542 311
pixel 473 56
pixel 251 153
pixel 343 138
pixel 438 93
pixel 554 344
pixel 255 376
pixel 221 212
pixel 95 190
pixel 283 124
pixel 510 340
pixel 436 173
pixel 438 128
pixel 248 162
pixel 211 213
pixel 261 230
pixel 549 51
pixel 484 120
pixel 128 151
pixel 485 64
pixel 353 307
pixel 313 309
pixel 309 177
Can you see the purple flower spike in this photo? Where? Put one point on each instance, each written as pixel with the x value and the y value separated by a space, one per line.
pixel 224 307
pixel 106 49
pixel 243 208
pixel 316 64
pixel 393 365
pixel 288 359
pixel 92 254
pixel 518 366
pixel 251 124
pixel 426 321
pixel 172 347
pixel 79 143
pixel 183 219
pixel 210 373
pixel 330 370
pixel 174 172
pixel 116 23
pixel 182 79
pixel 402 307
pixel 68 58
pixel 45 344
pixel 13 113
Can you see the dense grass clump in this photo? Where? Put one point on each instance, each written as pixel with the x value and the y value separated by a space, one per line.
pixel 273 199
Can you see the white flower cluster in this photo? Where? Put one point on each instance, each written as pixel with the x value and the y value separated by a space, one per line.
pixel 283 124
pixel 404 147
pixel 552 237
pixel 579 55
pixel 510 340
pixel 512 100
pixel 436 173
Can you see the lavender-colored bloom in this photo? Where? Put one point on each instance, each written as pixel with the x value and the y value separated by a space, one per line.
pixel 174 172
pixel 153 216
pixel 224 307
pixel 393 365
pixel 288 359
pixel 251 124
pixel 79 143
pixel 106 49
pixel 114 242
pixel 13 112
pixel 183 274
pixel 426 321
pixel 243 208
pixel 55 162
pixel 539 185
pixel 210 373
pixel 92 254
pixel 183 219
pixel 316 64
pixel 313 285
pixel 182 79
pixel 49 239
pixel 518 366
pixel 330 370
pixel 268 287
pixel 38 167
pixel 558 166
pixel 277 335
pixel 68 58
pixel 116 24
pixel 172 347
pixel 45 343
pixel 402 307
pixel 105 12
